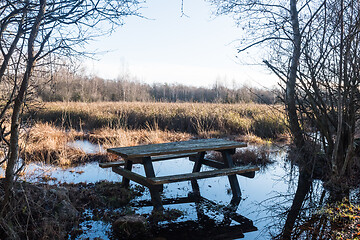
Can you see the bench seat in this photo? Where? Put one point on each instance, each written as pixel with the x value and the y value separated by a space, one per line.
pixel 220 165
pixel 204 174
pixel 153 159
pixel 182 177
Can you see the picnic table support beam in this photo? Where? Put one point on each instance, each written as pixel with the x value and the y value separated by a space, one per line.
pixel 125 181
pixel 234 183
pixel 154 190
pixel 197 166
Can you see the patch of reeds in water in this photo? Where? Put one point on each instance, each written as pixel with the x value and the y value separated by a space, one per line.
pixel 46 143
pixel 50 144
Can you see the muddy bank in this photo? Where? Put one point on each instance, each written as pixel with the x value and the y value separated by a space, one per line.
pixel 41 211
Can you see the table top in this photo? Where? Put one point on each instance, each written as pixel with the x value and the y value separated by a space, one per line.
pixel 199 145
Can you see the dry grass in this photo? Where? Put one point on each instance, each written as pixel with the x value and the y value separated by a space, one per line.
pixel 37 212
pixel 127 124
pixel 252 138
pixel 196 118
pixel 47 143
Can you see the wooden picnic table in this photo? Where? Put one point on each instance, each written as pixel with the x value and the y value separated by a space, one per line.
pixel 194 149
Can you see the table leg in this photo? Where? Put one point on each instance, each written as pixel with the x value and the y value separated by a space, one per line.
pixel 154 190
pixel 125 181
pixel 198 163
pixel 235 187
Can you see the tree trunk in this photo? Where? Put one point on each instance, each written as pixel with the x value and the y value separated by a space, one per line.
pixel 290 99
pixel 335 153
pixel 19 100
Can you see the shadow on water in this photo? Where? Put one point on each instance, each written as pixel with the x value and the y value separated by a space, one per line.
pixel 212 221
pixel 302 190
pixel 278 203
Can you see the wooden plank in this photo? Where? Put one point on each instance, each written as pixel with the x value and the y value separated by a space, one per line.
pixel 154 159
pixel 133 176
pixel 172 156
pixel 198 161
pixel 125 181
pixel 112 164
pixel 200 175
pixel 219 165
pixel 191 146
pixel 197 166
pixel 154 190
pixel 234 183
pixel 211 163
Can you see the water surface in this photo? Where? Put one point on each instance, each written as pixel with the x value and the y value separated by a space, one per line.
pixel 259 194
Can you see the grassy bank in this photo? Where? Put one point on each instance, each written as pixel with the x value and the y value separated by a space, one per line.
pixel 195 118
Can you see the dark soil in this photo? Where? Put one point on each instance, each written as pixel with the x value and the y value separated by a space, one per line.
pixel 40 211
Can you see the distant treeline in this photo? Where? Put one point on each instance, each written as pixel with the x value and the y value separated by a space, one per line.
pixel 66 86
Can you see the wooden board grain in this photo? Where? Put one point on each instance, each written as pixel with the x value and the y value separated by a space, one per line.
pixel 200 175
pixel 133 176
pixel 153 159
pixel 219 165
pixel 191 146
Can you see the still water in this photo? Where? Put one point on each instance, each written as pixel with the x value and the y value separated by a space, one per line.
pixel 262 196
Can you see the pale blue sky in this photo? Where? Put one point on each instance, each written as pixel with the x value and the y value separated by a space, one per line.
pixel 194 50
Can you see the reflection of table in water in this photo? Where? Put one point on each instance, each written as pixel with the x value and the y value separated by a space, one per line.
pixel 214 221
pixel 194 149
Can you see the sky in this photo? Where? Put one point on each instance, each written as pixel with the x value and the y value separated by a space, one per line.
pixel 197 49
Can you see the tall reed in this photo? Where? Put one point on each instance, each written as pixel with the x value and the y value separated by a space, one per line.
pixel 196 118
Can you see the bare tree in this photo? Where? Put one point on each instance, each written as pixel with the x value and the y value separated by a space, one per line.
pixel 312 46
pixel 313 49
pixel 34 34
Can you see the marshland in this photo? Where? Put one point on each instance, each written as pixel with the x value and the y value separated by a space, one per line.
pixel 289 89
pixel 62 147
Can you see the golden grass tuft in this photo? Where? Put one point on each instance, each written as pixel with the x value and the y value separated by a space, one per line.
pixel 252 138
pixel 47 143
